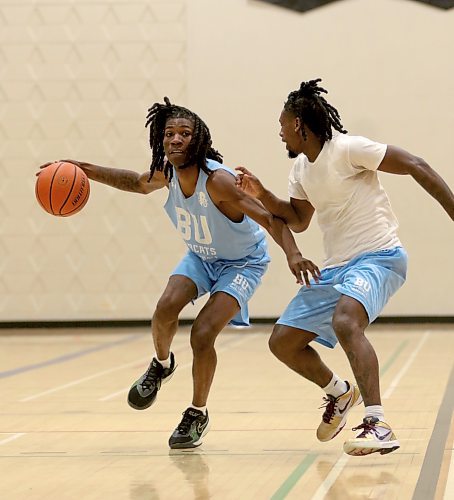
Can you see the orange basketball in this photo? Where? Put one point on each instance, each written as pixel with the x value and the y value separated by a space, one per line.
pixel 62 189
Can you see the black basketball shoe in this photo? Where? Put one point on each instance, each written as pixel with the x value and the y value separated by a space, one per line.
pixel 190 431
pixel 144 391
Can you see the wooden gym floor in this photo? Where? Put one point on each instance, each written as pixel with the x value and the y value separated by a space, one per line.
pixel 66 431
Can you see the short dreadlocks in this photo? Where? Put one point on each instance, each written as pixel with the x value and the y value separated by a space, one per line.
pixel 199 149
pixel 313 110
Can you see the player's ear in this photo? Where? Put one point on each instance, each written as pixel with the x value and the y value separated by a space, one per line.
pixel 298 124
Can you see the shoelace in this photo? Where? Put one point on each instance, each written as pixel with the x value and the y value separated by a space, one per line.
pixel 185 423
pixel 151 377
pixel 330 406
pixel 366 426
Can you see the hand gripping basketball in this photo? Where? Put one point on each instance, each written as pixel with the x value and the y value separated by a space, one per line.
pixel 62 188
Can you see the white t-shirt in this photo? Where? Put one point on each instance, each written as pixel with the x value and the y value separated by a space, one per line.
pixel 353 210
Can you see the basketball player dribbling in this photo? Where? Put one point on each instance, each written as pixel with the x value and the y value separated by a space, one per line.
pixel 227 253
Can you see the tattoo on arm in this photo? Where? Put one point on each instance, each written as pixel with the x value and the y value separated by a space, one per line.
pixel 125 180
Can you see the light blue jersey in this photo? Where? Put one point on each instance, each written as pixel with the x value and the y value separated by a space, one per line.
pixel 208 233
pixel 224 256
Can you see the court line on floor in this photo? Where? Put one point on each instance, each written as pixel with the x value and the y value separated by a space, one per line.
pixel 81 380
pixel 449 487
pixel 445 486
pixel 339 466
pixel 406 366
pixel 67 357
pixel 331 478
pixel 224 347
pixel 12 438
pixel 430 470
pixel 294 477
pixel 84 379
pixel 385 367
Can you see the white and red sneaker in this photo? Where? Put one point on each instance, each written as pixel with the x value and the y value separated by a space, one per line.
pixel 375 437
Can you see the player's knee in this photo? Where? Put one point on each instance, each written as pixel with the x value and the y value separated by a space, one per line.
pixel 346 328
pixel 202 337
pixel 276 342
pixel 166 309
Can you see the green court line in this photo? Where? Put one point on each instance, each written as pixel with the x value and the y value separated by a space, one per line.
pixel 296 475
pixel 393 357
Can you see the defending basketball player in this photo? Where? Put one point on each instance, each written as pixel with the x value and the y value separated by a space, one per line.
pixel 335 175
pixel 227 253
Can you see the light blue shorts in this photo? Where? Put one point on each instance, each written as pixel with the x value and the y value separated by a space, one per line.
pixel 370 278
pixel 238 278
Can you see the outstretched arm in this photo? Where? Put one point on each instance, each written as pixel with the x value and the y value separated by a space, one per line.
pixel 224 193
pixel 401 162
pixel 297 214
pixel 126 180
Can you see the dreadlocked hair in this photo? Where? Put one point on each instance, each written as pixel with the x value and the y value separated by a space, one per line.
pixel 199 149
pixel 313 110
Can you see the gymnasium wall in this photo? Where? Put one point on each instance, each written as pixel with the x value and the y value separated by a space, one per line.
pixel 78 77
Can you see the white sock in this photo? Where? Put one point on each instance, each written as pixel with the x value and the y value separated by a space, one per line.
pixel 164 362
pixel 375 411
pixel 203 409
pixel 336 387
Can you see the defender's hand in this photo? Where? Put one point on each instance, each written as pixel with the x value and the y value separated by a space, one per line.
pixel 249 183
pixel 301 268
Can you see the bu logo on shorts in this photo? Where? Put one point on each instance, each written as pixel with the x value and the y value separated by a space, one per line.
pixel 363 284
pixel 241 281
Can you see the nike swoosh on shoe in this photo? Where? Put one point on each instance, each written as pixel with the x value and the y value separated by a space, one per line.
pixel 381 438
pixel 345 407
pixel 200 428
